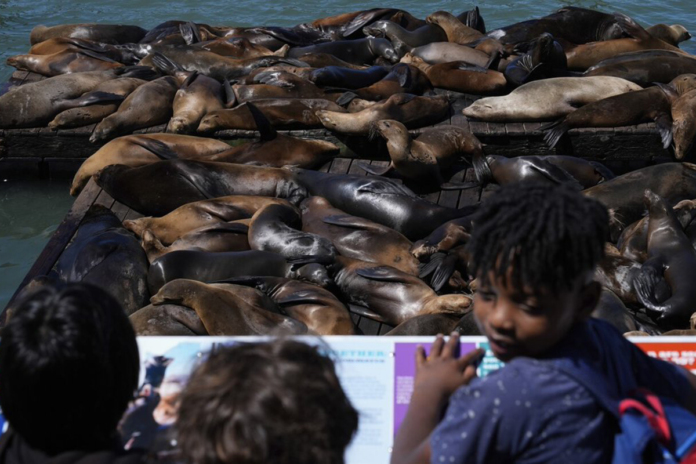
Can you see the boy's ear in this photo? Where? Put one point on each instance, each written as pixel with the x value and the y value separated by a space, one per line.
pixel 589 297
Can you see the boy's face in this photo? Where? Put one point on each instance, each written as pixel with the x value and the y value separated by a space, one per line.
pixel 527 322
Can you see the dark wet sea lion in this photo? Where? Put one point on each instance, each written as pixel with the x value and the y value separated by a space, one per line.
pixel 259 74
pixel 671 255
pixel 616 273
pixel 159 188
pixel 673 35
pixel 171 28
pixel 412 111
pixel 223 312
pixel 390 295
pixel 456 31
pixel 226 236
pixel 402 39
pixel 623 196
pixel 576 172
pixel 356 237
pixel 444 238
pixel 34 104
pixel 148 105
pixel 320 60
pixel 381 200
pixel 197 96
pixel 317 308
pixel 646 67
pixel 335 76
pixel 278 228
pixel 213 267
pixel 199 214
pixel 65 62
pixel 402 78
pixel 611 309
pixel 103 253
pixel 109 33
pixel 279 84
pixel 684 124
pixel 462 77
pixel 548 99
pixel 545 59
pixel 424 158
pixel 359 51
pixel 167 319
pixel 139 150
pixel 444 52
pixel 103 103
pixel 289 113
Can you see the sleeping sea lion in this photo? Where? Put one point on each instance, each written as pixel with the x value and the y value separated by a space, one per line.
pixel 108 33
pixel 336 76
pixel 402 78
pixel 65 62
pixel 239 47
pixel 460 76
pixel 646 67
pixel 444 52
pixel 359 51
pixel 167 319
pixel 197 96
pixel 279 84
pixel 402 39
pixel 444 238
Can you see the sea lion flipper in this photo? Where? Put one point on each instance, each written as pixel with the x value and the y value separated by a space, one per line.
pixel 382 274
pixel 377 171
pixel 644 284
pixel 190 33
pixel 96 56
pixel 630 27
pixel 663 121
pixel 444 271
pixel 459 185
pixel 346 98
pixel 189 80
pixel 230 97
pixel 493 61
pixel 430 267
pixel 404 74
pixel 263 125
pixel 555 132
pixel 98 98
pixel 365 312
pixel 555 174
pixel 385 187
pixel 157 148
pixel 164 64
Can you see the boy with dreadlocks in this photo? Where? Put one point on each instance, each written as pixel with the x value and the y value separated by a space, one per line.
pixel 534 249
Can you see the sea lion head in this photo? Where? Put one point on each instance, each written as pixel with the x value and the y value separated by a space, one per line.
pixel 387 128
pixel 178 125
pixel 377 29
pixel 654 201
pixel 315 273
pixel 103 131
pixel 385 49
pixel 438 18
pixel 681 32
pixel 174 292
pixel 210 123
pixel 326 119
pixel 684 83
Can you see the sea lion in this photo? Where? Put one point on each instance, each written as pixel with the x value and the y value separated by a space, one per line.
pixel 239 47
pixel 260 74
pixel 456 31
pixel 424 158
pixel 646 67
pixel 611 309
pixel 159 188
pixel 402 78
pixel 671 255
pixel 61 44
pixel 402 39
pixel 109 33
pixel 549 99
pixel 673 35
pixel 223 312
pixel 197 96
pixel 279 84
pixel 213 267
pixel 356 237
pixel 444 238
pixel 148 105
pixel 288 113
pixel 359 51
pixel 381 200
pixel 545 59
pixel 321 60
pixel 617 273
pixel 138 150
pixel 576 172
pixel 167 319
pixel 34 104
pixel 317 308
pixel 199 214
pixel 103 253
pixel 587 55
pixel 226 236
pixel 389 295
pixel 65 62
pixel 462 77
pixel 278 228
pixel 412 111
pixel 684 124
pixel 104 102
pixel 444 52
pixel 623 196
pixel 335 76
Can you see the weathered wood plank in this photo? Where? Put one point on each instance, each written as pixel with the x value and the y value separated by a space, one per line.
pixel 104 199
pixel 340 165
pixel 469 196
pixel 132 215
pixel 120 210
pixel 449 198
pixel 369 326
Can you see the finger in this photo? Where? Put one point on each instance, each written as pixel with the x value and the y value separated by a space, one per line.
pixel 470 358
pixel 420 356
pixel 436 349
pixel 451 345
pixel 469 374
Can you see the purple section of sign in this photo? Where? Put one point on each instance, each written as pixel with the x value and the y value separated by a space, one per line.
pixel 404 375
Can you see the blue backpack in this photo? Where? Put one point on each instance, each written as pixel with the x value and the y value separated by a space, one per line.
pixel 652 429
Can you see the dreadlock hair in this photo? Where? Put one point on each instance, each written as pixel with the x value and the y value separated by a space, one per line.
pixel 550 235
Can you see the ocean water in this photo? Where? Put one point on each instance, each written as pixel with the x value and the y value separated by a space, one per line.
pixel 30 209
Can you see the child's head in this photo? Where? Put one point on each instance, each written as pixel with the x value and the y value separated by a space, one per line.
pixel 68 367
pixel 534 248
pixel 266 403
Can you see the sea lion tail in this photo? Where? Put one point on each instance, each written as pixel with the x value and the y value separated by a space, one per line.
pixel 555 132
pixel 664 127
pixel 443 272
pixel 484 176
pixel 430 267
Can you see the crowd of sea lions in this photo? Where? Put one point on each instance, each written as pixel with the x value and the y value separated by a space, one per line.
pixel 254 239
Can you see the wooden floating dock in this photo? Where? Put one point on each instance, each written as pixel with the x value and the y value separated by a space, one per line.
pixel 46 152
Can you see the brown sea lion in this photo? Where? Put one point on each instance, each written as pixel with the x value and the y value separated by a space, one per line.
pixel 402 39
pixel 257 75
pixel 402 78
pixel 287 113
pixel 223 312
pixel 320 60
pixel 456 31
pixel 587 55
pixel 673 35
pixel 390 295
pixel 412 111
pixel 239 47
pixel 167 319
pixel 34 104
pixel 207 266
pixel 138 150
pixel 279 84
pixel 671 255
pixel 148 105
pixel 197 96
pixel 444 238
pixel 199 214
pixel 108 33
pixel 278 228
pixel 548 99
pixel 462 77
pixel 623 196
pixel 444 52
pixel 684 124
pixel 65 62
pixel 159 188
pixel 60 44
pixel 577 172
pixel 104 101
pixel 646 67
pixel 226 236
pixel 425 158
pixel 356 237
pixel 317 308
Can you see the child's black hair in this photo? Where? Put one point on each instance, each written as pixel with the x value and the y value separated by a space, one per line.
pixel 550 235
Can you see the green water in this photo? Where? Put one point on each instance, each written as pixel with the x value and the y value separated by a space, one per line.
pixel 31 210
